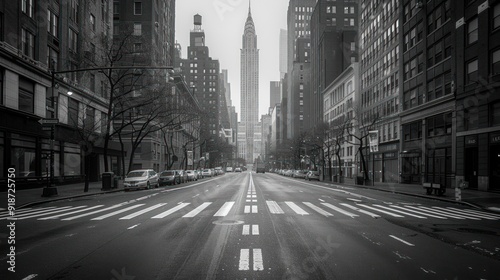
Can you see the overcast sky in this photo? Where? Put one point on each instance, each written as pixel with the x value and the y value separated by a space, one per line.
pixel 223 22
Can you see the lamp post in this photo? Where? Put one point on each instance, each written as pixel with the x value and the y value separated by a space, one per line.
pixel 50 189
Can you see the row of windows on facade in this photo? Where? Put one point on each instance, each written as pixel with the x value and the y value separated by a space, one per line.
pixel 348 10
pixel 435 126
pixel 377 45
pixel 388 12
pixel 381 68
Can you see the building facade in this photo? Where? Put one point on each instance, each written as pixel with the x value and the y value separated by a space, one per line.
pixel 249 86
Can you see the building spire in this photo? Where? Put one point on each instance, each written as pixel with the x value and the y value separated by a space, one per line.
pixel 249 8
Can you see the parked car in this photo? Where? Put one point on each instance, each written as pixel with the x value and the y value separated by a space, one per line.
pixel 299 174
pixel 237 169
pixel 312 175
pixel 142 178
pixel 229 169
pixel 169 177
pixel 207 173
pixel 183 176
pixel 191 175
pixel 219 171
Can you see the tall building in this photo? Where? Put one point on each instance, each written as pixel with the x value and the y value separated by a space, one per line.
pixel 334 37
pixel 379 50
pixel 275 93
pixel 201 73
pixel 298 66
pixel 249 86
pixel 283 53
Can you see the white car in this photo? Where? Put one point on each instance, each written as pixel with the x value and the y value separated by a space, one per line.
pixel 229 169
pixel 191 175
pixel 207 173
pixel 142 178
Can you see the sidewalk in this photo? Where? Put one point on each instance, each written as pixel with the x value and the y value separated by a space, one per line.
pixel 30 197
pixel 474 198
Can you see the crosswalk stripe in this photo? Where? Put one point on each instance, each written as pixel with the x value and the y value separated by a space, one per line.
pixel 431 211
pixel 373 215
pixel 116 212
pixel 258 263
pixel 170 211
pixel 254 209
pixel 197 210
pixel 342 211
pixel 246 230
pixel 317 209
pixel 296 208
pixel 469 215
pixel 381 211
pixel 24 211
pixel 244 259
pixel 70 213
pixel 93 212
pixel 482 213
pixel 17 216
pixel 58 210
pixel 255 229
pixel 224 210
pixel 448 213
pixel 274 208
pixel 420 213
pixel 400 212
pixel 247 209
pixel 135 214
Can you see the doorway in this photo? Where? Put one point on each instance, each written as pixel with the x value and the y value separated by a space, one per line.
pixel 471 166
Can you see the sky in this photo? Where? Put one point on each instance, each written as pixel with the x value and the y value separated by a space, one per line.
pixel 223 22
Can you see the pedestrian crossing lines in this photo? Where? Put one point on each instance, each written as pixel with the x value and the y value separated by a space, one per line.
pixel 128 211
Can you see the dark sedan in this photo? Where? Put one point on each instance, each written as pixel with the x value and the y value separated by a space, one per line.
pixel 169 177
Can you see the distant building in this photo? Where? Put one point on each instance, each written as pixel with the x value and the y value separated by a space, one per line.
pixel 274 93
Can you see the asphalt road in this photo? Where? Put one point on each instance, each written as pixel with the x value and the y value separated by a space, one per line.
pixel 252 226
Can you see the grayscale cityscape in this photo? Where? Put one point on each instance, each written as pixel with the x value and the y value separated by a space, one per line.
pixel 249 139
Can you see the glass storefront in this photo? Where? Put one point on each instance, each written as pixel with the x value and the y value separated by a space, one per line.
pixel 23 155
pixel 72 160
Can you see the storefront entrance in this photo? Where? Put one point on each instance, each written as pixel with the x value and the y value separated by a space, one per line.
pixel 471 166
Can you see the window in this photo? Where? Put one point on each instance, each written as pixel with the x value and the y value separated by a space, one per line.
pixel 28 43
pixel 27 7
pixel 72 112
pixel 472 31
pixel 439 125
pixel 116 7
pixel 89 122
pixel 137 8
pixel 495 114
pixel 472 71
pixel 496 16
pixel 73 40
pixel 26 95
pixel 53 24
pixel 495 62
pixel 92 21
pixel 412 131
pixel 73 15
pixel 137 29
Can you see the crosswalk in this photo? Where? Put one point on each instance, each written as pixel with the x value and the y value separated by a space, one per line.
pixel 185 210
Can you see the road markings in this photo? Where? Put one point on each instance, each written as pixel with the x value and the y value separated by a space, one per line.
pixel 421 213
pixel 381 211
pixel 247 209
pixel 133 226
pixel 296 208
pixel 317 209
pixel 29 277
pixel 484 213
pixel 244 263
pixel 335 208
pixel 94 212
pixel 255 229
pixel 70 213
pixel 458 211
pixel 17 214
pixel 258 263
pixel 361 210
pixel 321 200
pixel 355 200
pixel 116 212
pixel 431 211
pixel 401 240
pixel 400 212
pixel 274 208
pixel 244 259
pixel 170 211
pixel 250 209
pixel 254 209
pixel 246 230
pixel 224 210
pixel 133 215
pixel 62 209
pixel 197 210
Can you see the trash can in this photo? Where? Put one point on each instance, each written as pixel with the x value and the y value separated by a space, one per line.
pixel 107 178
pixel 115 182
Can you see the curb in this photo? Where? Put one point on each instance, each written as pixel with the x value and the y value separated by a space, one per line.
pixel 65 197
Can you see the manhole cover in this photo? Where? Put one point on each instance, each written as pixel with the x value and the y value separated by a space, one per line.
pixel 227 222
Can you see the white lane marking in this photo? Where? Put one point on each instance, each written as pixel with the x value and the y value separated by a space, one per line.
pixel 401 240
pixel 483 213
pixel 21 211
pixel 246 230
pixel 477 215
pixel 373 215
pixel 244 259
pixel 196 195
pixel 434 211
pixel 317 209
pixel 255 230
pixel 51 212
pixel 17 215
pixel 94 212
pixel 29 277
pixel 133 226
pixel 197 210
pixel 274 208
pixel 381 211
pixel 116 212
pixel 335 208
pixel 258 263
pixel 70 213
pixel 187 187
pixel 145 197
pixel 254 200
pixel 206 190
pixel 254 196
pixel 224 210
pixel 247 209
pixel 133 215
pixel 355 200
pixel 296 208
pixel 420 213
pixel 400 212
pixel 254 209
pixel 170 211
pixel 248 200
pixel 321 200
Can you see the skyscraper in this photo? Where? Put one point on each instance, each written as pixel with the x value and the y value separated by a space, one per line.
pixel 249 85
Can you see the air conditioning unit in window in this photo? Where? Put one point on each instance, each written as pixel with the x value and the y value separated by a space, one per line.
pixel 419 5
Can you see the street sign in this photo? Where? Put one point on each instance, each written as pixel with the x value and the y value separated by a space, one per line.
pixel 46 128
pixel 48 121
